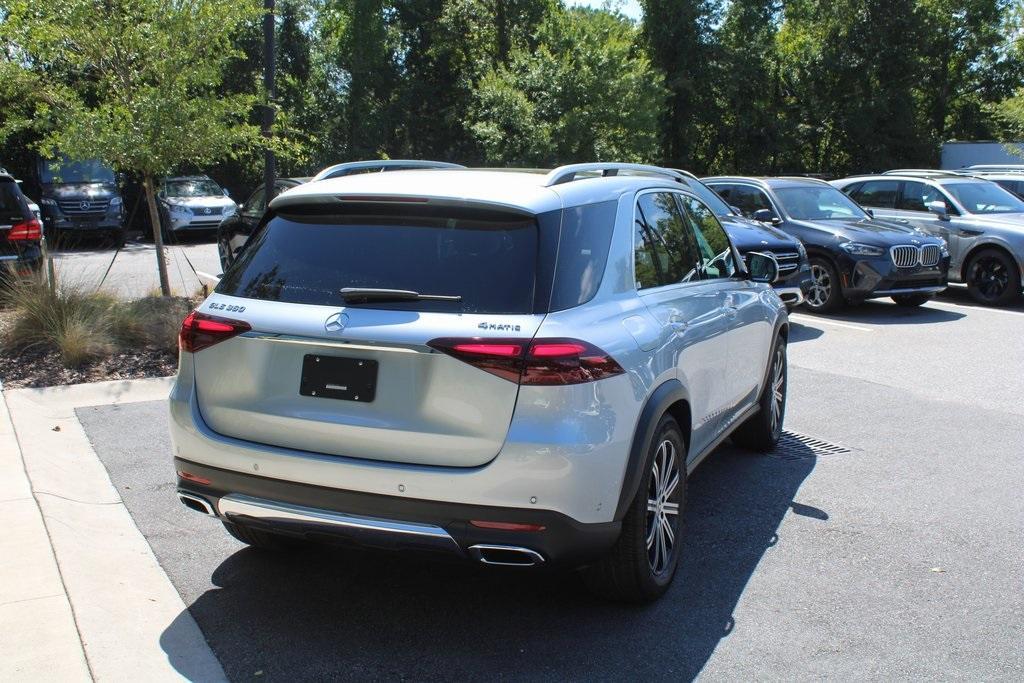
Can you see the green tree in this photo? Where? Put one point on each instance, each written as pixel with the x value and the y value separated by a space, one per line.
pixel 584 92
pixel 679 38
pixel 136 83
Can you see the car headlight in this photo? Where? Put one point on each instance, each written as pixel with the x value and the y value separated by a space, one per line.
pixel 115 201
pixel 230 210
pixel 179 210
pixel 944 245
pixel 858 249
pixel 800 249
pixel 46 201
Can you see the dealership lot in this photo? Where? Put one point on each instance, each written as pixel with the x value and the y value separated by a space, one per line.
pixel 898 558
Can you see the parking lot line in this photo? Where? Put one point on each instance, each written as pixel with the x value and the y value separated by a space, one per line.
pixel 946 304
pixel 800 318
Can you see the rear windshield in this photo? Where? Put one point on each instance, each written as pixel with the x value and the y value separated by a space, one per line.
pixel 488 258
pixel 12 206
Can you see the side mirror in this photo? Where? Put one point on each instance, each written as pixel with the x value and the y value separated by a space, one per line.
pixel 762 267
pixel 766 216
pixel 736 210
pixel 870 212
pixel 938 207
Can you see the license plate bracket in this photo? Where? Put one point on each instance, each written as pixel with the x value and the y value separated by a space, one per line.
pixel 345 379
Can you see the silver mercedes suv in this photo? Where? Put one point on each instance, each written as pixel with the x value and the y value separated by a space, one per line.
pixel 515 368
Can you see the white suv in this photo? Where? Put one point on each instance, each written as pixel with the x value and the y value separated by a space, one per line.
pixel 516 368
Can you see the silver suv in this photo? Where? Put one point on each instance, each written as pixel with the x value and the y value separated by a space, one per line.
pixel 982 223
pixel 515 368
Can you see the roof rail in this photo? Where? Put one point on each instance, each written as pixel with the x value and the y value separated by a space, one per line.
pixel 996 168
pixel 350 167
pixel 567 174
pixel 921 172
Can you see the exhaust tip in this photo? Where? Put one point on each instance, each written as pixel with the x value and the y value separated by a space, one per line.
pixel 197 503
pixel 506 555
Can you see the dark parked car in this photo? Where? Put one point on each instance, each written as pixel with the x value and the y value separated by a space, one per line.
pixel 853 255
pixel 749 236
pixel 79 198
pixel 21 233
pixel 234 231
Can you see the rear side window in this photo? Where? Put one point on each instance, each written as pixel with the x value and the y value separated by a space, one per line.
pixel 585 236
pixel 746 199
pixel 13 207
pixel 488 258
pixel 877 193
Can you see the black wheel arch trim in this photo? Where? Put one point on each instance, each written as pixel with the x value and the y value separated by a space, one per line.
pixel 657 405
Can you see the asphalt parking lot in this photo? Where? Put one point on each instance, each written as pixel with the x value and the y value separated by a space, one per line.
pixel 896 556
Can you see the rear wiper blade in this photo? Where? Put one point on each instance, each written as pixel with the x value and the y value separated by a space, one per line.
pixel 374 294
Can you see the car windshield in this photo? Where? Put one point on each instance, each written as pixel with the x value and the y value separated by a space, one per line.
pixel 192 187
pixel 67 171
pixel 984 198
pixel 710 197
pixel 817 203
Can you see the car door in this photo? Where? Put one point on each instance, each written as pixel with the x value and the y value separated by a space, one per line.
pixel 691 311
pixel 912 206
pixel 749 333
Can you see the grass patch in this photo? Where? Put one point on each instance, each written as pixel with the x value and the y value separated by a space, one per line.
pixel 84 326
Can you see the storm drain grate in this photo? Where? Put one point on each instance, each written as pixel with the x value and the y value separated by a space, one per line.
pixel 793 446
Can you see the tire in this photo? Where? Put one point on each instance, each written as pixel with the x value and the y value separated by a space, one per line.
pixel 259 539
pixel 634 571
pixel 762 431
pixel 911 300
pixel 992 278
pixel 826 292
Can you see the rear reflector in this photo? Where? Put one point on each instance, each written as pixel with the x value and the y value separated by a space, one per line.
pixel 31 229
pixel 541 362
pixel 188 476
pixel 506 526
pixel 201 330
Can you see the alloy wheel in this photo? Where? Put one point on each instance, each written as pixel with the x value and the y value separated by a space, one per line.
pixel 663 507
pixel 990 277
pixel 821 286
pixel 778 389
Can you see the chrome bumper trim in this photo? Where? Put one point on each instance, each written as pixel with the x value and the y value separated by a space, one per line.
pixel 379 531
pixel 908 290
pixel 793 296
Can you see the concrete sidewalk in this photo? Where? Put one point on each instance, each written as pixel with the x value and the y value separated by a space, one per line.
pixel 81 595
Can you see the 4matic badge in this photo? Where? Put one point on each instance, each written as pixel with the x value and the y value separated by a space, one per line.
pixel 501 327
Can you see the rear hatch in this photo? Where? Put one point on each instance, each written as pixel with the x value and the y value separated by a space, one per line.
pixel 356 377
pixel 13 210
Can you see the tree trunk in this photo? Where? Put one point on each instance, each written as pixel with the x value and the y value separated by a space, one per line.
pixel 158 237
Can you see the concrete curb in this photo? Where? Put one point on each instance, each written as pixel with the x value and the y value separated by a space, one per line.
pixel 131 621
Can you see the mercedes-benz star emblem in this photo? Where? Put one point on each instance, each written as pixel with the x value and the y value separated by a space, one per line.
pixel 336 322
pixel 84 206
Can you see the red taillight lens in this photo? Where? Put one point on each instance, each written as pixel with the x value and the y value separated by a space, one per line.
pixel 200 330
pixel 538 362
pixel 506 526
pixel 31 229
pixel 188 476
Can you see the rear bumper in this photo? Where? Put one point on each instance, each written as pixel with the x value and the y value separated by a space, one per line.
pixel 392 522
pixel 23 260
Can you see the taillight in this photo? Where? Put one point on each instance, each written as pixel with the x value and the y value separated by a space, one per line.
pixel 31 229
pixel 535 362
pixel 200 330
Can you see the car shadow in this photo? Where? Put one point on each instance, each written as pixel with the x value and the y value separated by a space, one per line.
pixel 885 313
pixel 960 296
pixel 799 332
pixel 331 613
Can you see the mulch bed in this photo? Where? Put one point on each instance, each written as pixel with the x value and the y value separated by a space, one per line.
pixel 41 368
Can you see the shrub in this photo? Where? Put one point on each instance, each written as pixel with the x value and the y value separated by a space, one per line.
pixel 83 326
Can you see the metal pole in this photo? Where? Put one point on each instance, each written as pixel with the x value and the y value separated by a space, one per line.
pixel 269 162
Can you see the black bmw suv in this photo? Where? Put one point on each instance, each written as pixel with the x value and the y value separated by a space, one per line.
pixel 853 255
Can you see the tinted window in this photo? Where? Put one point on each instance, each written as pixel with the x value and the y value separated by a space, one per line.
pixel 745 198
pixel 13 207
pixel 878 193
pixel 585 235
pixel 912 197
pixel 985 197
pixel 487 258
pixel 709 197
pixel 256 202
pixel 1014 186
pixel 666 250
pixel 716 254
